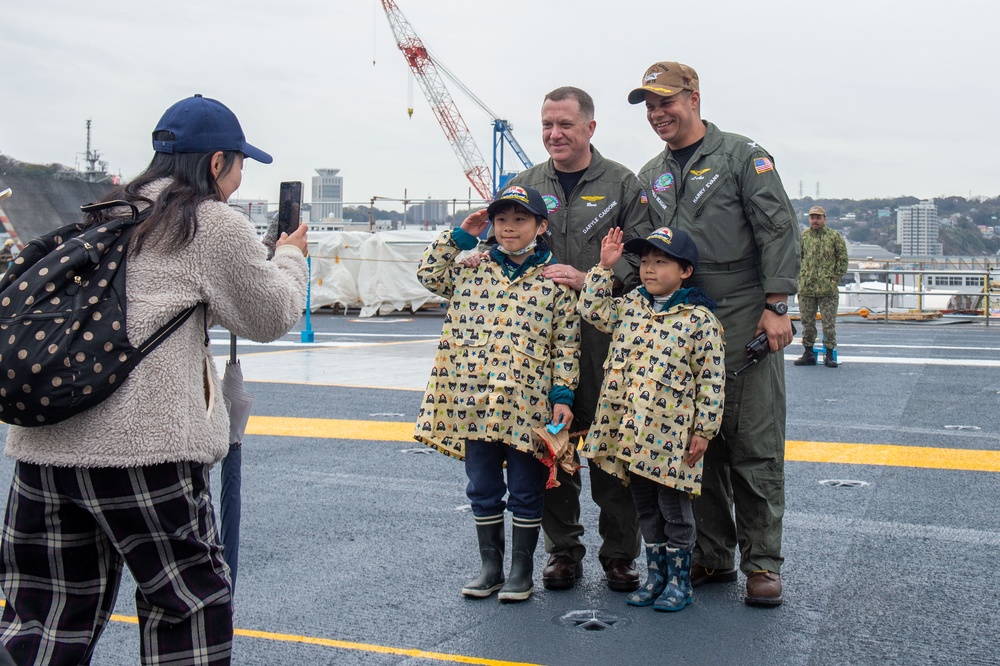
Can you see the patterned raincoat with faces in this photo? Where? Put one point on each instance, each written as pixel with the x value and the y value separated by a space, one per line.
pixel 504 344
pixel 664 381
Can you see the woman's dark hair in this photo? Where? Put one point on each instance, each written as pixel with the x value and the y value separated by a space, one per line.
pixel 172 219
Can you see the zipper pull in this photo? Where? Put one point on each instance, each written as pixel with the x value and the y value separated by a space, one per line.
pixel 92 252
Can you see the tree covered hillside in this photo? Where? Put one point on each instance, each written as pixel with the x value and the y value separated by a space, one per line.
pixel 960 219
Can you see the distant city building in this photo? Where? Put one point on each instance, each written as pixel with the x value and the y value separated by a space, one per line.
pixel 327 195
pixel 429 212
pixel 985 231
pixel 917 230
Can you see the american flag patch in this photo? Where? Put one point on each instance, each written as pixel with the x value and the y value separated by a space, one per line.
pixel 762 165
pixel 642 197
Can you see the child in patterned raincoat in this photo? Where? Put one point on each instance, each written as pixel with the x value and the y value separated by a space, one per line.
pixel 661 401
pixel 507 362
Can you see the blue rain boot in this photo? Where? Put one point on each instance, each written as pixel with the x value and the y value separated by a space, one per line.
pixel 677 593
pixel 656 576
pixel 523 539
pixel 489 530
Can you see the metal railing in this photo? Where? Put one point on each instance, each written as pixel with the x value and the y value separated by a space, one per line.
pixel 977 286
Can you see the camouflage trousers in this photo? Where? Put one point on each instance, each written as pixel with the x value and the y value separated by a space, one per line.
pixel 827 306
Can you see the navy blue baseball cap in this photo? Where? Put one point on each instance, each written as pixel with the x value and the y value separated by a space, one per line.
pixel 202 125
pixel 528 197
pixel 676 243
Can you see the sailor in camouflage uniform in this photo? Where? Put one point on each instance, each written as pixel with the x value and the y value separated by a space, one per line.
pixel 509 349
pixel 824 262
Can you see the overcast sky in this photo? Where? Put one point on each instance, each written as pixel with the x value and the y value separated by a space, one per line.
pixel 867 98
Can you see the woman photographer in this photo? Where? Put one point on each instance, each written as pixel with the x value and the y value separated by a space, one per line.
pixel 126 482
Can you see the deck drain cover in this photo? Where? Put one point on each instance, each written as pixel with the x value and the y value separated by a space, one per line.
pixel 843 483
pixel 591 620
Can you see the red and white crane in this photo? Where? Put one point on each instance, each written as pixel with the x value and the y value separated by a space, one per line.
pixel 443 106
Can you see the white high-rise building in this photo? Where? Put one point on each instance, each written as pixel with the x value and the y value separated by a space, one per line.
pixel 917 230
pixel 327 195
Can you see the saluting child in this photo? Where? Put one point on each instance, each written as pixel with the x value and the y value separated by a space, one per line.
pixel 507 362
pixel 662 398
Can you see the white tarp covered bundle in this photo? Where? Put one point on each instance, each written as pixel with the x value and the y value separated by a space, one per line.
pixel 373 272
pixel 335 262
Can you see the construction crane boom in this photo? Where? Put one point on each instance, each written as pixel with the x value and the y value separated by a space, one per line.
pixel 442 104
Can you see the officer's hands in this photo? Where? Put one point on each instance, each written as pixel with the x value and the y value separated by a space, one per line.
pixel 611 248
pixel 565 274
pixel 473 259
pixel 778 327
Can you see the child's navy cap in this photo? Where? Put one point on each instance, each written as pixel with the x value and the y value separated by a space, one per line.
pixel 528 197
pixel 203 125
pixel 676 243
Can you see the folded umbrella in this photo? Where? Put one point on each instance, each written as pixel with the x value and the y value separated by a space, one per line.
pixel 238 402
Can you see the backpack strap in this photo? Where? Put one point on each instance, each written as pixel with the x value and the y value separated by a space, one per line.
pixel 153 341
pixel 178 320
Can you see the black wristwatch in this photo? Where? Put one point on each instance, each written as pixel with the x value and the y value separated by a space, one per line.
pixel 779 308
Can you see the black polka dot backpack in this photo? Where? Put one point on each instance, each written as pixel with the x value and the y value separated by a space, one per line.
pixel 63 344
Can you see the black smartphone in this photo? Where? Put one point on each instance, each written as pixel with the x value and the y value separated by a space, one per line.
pixel 289 207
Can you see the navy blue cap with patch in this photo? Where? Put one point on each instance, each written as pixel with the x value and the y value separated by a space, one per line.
pixel 528 197
pixel 676 243
pixel 202 125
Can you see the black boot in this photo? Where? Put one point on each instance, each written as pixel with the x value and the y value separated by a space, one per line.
pixel 489 530
pixel 523 539
pixel 828 359
pixel 807 358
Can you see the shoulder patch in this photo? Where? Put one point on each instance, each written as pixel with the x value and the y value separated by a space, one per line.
pixel 762 165
pixel 663 182
pixel 552 202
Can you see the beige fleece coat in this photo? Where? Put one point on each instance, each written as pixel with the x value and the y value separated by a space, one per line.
pixel 170 408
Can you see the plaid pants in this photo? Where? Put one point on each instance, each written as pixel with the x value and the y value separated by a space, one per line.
pixel 66 535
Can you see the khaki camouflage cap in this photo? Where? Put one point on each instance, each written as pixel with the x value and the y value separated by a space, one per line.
pixel 817 210
pixel 665 79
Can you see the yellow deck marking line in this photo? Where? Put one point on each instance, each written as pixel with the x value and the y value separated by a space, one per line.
pixel 298 382
pixel 382 649
pixel 893 455
pixel 350 645
pixel 890 455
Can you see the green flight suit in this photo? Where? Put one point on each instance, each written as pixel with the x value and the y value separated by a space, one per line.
pixel 730 199
pixel 608 195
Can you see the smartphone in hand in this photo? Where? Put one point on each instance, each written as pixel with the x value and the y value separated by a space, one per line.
pixel 289 207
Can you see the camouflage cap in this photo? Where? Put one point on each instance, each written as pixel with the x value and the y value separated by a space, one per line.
pixel 665 79
pixel 817 210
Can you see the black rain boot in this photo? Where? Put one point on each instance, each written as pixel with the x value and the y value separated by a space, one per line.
pixel 524 538
pixel 807 358
pixel 489 531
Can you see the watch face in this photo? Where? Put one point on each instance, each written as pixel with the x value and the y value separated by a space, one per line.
pixel 778 308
